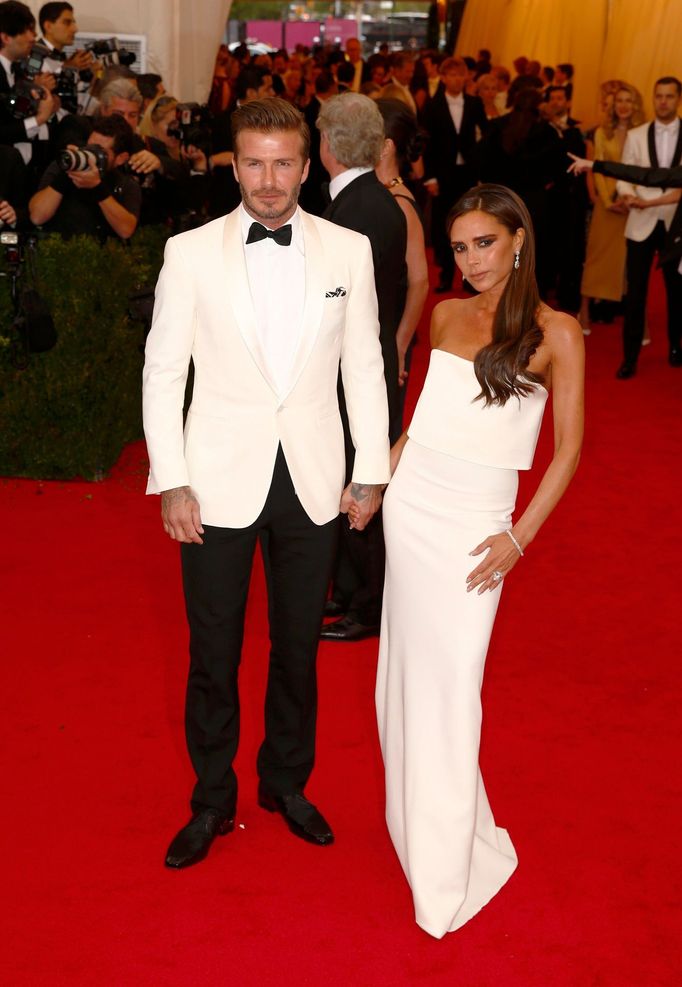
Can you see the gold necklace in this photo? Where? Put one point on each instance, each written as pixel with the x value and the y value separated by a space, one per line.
pixel 393 182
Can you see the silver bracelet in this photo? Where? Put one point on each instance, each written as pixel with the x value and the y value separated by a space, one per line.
pixel 516 544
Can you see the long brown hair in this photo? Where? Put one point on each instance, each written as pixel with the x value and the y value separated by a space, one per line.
pixel 501 367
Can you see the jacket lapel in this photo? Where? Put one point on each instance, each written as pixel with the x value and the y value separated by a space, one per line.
pixel 678 148
pixel 238 292
pixel 651 140
pixel 314 298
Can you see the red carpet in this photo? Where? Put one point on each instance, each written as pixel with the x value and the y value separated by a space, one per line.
pixel 580 754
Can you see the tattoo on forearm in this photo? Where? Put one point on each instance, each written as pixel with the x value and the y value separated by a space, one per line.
pixel 177 493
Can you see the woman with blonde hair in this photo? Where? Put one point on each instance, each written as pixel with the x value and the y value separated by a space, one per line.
pixel 604 270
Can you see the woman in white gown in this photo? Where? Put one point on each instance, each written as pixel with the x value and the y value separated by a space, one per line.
pixel 495 357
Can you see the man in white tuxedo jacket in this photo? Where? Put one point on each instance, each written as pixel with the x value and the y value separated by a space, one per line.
pixel 657 144
pixel 267 301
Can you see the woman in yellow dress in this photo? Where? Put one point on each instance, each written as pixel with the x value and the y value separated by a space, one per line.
pixel 604 271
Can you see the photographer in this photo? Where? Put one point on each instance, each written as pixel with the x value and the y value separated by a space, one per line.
pixel 99 199
pixel 179 184
pixel 58 28
pixel 17 35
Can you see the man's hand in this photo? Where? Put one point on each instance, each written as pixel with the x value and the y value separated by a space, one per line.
pixel 144 162
pixel 7 213
pixel 579 165
pixel 631 201
pixel 47 105
pixel 361 501
pixel 46 80
pixel 195 156
pixel 90 178
pixel 181 516
pixel 80 60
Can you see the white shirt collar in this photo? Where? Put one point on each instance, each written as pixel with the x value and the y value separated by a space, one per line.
pixel 7 66
pixel 295 222
pixel 339 183
pixel 665 127
pixel 455 99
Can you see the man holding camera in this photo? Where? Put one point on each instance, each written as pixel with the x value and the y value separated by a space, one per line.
pixel 17 35
pixel 58 28
pixel 92 195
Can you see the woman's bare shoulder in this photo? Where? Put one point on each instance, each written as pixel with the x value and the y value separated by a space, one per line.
pixel 559 328
pixel 446 316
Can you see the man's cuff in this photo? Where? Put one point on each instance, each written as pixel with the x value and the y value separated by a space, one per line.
pixel 103 190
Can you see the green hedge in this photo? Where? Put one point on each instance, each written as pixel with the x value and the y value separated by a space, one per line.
pixel 74 408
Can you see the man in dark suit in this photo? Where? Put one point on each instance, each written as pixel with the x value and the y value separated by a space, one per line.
pixel 352 137
pixel 315 193
pixel 454 122
pixel 567 204
pixel 670 256
pixel 17 35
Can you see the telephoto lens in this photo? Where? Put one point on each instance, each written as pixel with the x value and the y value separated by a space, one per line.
pixel 79 160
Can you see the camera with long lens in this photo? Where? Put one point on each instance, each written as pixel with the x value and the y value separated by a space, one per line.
pixel 84 158
pixel 109 52
pixel 192 126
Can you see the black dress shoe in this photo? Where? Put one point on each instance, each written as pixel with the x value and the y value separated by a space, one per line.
pixel 333 608
pixel 675 357
pixel 300 815
pixel 194 840
pixel 348 629
pixel 626 370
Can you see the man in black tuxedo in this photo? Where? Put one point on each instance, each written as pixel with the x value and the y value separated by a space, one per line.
pixel 17 35
pixel 454 121
pixel 352 137
pixel 567 204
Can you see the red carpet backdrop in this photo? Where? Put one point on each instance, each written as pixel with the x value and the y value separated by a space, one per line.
pixel 580 751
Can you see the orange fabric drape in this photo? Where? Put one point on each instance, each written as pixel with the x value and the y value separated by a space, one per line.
pixel 634 40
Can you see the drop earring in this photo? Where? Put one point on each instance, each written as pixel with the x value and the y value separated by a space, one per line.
pixel 517 255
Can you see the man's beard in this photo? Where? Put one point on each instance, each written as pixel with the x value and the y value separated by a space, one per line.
pixel 273 210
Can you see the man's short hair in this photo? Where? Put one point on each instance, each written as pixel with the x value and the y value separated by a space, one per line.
pixel 324 83
pixel 451 63
pixel 556 89
pixel 398 59
pixel 249 78
pixel 148 84
pixel 120 89
pixel 354 129
pixel 270 116
pixel 670 80
pixel 15 18
pixel 345 73
pixel 52 12
pixel 115 126
pixel 566 68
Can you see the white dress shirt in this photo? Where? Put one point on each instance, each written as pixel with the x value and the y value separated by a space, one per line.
pixel 339 183
pixel 456 107
pixel 666 140
pixel 277 284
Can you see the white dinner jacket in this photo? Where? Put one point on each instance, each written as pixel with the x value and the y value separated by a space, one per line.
pixel 641 222
pixel 203 309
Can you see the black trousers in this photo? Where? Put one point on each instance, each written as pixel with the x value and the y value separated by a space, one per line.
pixel 216 578
pixel 640 256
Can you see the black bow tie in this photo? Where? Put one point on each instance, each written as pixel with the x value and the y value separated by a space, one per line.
pixel 282 236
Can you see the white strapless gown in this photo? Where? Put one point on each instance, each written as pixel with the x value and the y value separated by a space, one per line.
pixel 455 485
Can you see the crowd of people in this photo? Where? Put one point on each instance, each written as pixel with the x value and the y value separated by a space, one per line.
pixel 149 158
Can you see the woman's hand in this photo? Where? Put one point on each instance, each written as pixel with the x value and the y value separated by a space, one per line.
pixel 402 373
pixel 501 558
